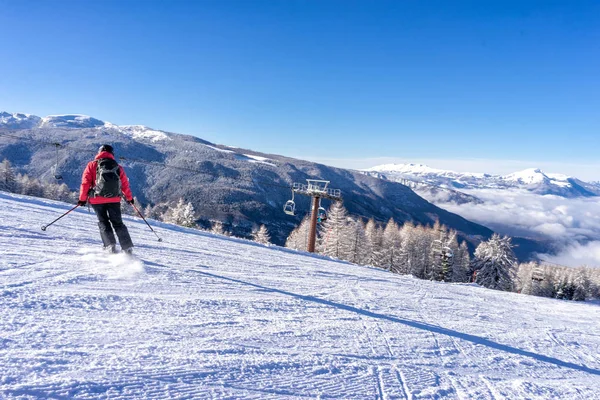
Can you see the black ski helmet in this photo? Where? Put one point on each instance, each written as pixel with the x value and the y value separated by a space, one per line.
pixel 106 147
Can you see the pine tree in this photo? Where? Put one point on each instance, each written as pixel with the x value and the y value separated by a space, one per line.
pixel 262 235
pixel 217 228
pixel 461 268
pixel 334 238
pixel 420 253
pixel 375 243
pixel 443 249
pixel 526 282
pixel 7 177
pixel 407 240
pixel 594 283
pixel 582 284
pixel 495 263
pixel 298 238
pixel 188 219
pixel 63 193
pixel 181 214
pixel 391 247
pixel 358 243
pixel 30 186
pixel 546 286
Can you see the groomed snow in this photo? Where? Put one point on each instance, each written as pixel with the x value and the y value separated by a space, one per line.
pixel 203 316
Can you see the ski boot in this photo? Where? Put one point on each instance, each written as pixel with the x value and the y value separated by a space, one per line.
pixel 111 249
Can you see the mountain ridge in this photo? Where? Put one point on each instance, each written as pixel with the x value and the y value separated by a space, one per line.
pixel 242 188
pixel 532 179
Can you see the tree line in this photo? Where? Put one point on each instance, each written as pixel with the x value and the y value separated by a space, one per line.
pixel 24 184
pixel 433 253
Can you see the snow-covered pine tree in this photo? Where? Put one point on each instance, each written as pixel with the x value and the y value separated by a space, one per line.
pixel 187 215
pixel 406 246
pixel 359 245
pixel 261 235
pixel 561 284
pixel 443 249
pixel 181 214
pixel 375 242
pixel 461 268
pixel 420 253
pixel 581 283
pixel 298 238
pixel 495 263
pixel 7 177
pixel 525 281
pixel 391 247
pixel 546 286
pixel 217 227
pixel 29 186
pixel 63 193
pixel 334 236
pixel 594 281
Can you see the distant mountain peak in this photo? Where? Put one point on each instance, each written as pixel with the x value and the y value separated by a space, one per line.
pixel 78 121
pixel 71 121
pixel 18 120
pixel 532 179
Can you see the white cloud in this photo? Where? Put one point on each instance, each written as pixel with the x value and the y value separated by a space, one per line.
pixel 573 225
pixel 577 254
pixel 559 218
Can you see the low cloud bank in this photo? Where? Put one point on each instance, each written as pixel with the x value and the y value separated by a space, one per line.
pixel 576 255
pixel 572 224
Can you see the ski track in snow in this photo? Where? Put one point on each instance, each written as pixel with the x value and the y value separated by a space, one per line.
pixel 203 316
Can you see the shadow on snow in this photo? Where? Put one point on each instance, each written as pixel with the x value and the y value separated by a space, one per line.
pixel 415 324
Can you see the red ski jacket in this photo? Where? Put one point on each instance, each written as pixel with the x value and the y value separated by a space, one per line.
pixel 88 180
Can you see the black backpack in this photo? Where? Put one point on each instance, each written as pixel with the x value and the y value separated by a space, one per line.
pixel 108 180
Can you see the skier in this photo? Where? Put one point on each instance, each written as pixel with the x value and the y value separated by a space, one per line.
pixel 103 182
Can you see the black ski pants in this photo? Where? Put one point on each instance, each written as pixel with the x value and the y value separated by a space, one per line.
pixel 109 218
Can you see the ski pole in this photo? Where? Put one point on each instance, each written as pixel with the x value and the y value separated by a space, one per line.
pixel 44 227
pixel 140 214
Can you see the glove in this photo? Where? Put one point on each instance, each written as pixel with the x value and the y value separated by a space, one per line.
pixel 131 201
pixel 81 202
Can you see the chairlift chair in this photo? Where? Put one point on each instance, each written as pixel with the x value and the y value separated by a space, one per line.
pixel 321 214
pixel 290 207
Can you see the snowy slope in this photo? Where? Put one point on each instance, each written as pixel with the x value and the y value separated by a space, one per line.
pixel 201 316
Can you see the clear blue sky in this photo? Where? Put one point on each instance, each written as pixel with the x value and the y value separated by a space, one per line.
pixel 347 80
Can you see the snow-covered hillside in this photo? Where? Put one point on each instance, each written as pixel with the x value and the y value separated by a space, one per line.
pixel 533 179
pixel 241 188
pixel 202 316
pixel 78 121
pixel 18 120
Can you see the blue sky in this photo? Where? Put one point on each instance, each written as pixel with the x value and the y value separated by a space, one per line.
pixel 497 84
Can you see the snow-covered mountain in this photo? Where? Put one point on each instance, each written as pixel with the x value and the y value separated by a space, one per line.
pixel 534 180
pixel 76 121
pixel 204 316
pixel 18 120
pixel 70 121
pixel 241 188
